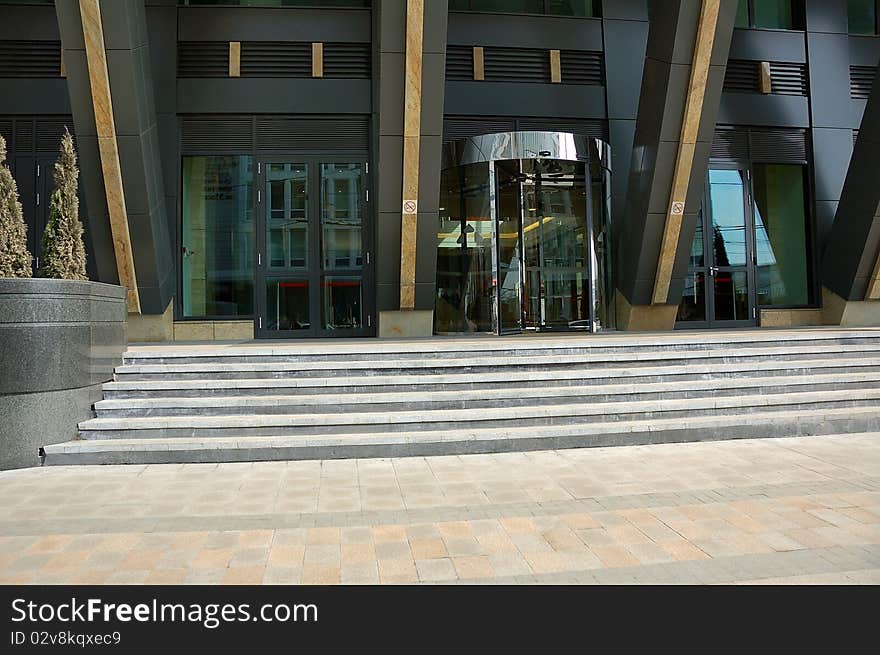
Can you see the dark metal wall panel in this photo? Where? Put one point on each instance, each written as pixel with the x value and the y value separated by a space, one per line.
pixel 768 45
pixel 543 32
pixel 522 99
pixel 272 24
pixel 273 96
pixel 757 109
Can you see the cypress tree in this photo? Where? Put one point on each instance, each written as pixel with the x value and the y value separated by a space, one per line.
pixel 64 255
pixel 15 260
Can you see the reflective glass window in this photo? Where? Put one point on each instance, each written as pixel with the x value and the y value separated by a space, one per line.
pixel 862 16
pixel 217 236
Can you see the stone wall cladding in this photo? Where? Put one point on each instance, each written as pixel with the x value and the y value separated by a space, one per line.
pixel 59 341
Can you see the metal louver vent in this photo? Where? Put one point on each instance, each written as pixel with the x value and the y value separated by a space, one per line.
pixel 348 133
pixel 789 79
pixel 861 79
pixel 202 59
pixel 30 59
pixel 783 145
pixel 742 76
pixel 760 145
pixel 6 132
pixel 597 128
pixel 459 62
pixel 228 134
pixel 49 134
pixel 24 136
pixel 348 60
pixel 517 65
pixel 855 136
pixel 582 67
pixel 463 128
pixel 276 59
pixel 786 78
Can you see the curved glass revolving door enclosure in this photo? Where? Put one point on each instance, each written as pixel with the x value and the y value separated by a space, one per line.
pixel 524 240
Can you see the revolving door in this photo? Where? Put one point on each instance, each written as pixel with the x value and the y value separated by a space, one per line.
pixel 524 240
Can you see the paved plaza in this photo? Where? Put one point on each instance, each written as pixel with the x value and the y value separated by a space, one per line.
pixel 798 510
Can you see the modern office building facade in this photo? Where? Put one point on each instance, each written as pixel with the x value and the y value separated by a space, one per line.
pixel 360 168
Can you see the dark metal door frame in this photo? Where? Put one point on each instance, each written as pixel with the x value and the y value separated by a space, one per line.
pixel 314 273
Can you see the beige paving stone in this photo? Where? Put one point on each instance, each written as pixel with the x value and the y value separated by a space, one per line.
pixel 455 530
pixel 282 575
pixel 322 536
pixel 323 554
pixel 244 575
pixel 213 558
pixel 495 543
pixel 507 564
pixel 436 570
pixel 385 533
pixel 613 556
pixel 397 571
pixel 282 555
pixel 160 577
pixel 682 550
pixel 473 567
pixel 546 562
pixel 428 549
pixel 518 524
pixel 579 521
pixel 360 573
pixel 356 535
pixel 321 574
pixel 141 559
pixel 51 543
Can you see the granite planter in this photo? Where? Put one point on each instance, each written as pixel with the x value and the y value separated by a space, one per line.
pixel 59 341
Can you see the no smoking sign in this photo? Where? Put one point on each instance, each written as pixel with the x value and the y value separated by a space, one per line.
pixel 410 206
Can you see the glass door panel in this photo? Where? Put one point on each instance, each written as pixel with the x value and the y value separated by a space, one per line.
pixel 509 224
pixel 313 259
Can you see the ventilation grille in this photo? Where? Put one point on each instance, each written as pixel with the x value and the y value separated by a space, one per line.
pixel 463 128
pixel 283 134
pixel 276 59
pixel 202 59
pixel 785 78
pixel 224 135
pixel 516 65
pixel 30 59
pixel 459 62
pixel 789 79
pixel 597 129
pixel 760 145
pixel 582 67
pixel 861 79
pixel 348 60
pixel 455 128
pixel 236 134
pixel 49 133
pixel 742 76
pixel 6 132
pixel 855 136
pixel 25 136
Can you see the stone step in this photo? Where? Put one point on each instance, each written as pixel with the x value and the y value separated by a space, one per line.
pixel 759 424
pixel 248 425
pixel 510 396
pixel 489 347
pixel 479 364
pixel 170 386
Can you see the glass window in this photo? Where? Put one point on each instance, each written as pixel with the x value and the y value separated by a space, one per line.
pixel 581 8
pixel 783 272
pixel 217 236
pixel 862 16
pixel 342 194
pixel 742 14
pixel 771 14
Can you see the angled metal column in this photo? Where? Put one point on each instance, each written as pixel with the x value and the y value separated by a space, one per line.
pixel 414 204
pixel 851 263
pixel 110 85
pixel 688 44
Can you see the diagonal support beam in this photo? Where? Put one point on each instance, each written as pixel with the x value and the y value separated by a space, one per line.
pixel 684 161
pixel 99 82
pixel 415 26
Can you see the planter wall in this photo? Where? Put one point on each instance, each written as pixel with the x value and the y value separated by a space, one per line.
pixel 59 341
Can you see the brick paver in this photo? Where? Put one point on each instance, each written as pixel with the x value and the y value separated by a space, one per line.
pixel 801 511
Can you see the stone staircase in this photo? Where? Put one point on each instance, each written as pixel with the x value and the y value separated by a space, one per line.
pixel 320 400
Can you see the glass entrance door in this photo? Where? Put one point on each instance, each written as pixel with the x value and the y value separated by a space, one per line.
pixel 545 264
pixel 719 290
pixel 313 260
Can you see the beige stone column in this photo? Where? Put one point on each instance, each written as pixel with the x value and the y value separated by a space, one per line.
pixel 684 161
pixel 415 23
pixel 99 82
